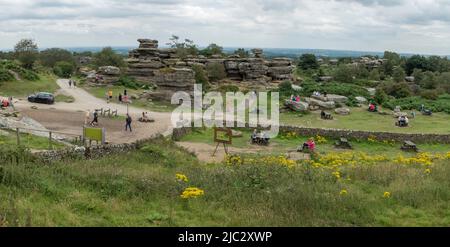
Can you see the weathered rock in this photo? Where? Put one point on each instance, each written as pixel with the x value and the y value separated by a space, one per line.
pixel 109 70
pixel 360 99
pixel 371 91
pixel 400 114
pixel 321 104
pixel 331 97
pixel 296 88
pixel 297 106
pixel 342 111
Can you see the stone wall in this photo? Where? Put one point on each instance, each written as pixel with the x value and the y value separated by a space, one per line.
pixel 349 134
pixel 92 152
pixel 163 67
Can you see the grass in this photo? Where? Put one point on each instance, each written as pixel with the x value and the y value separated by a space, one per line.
pixel 100 92
pixel 360 119
pixel 140 189
pixel 9 138
pixel 281 144
pixel 46 83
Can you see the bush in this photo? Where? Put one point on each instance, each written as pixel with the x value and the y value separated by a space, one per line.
pixel 285 88
pixel 64 69
pixel 344 74
pixel 441 104
pixel 349 90
pixel 5 75
pixel 50 57
pixel 216 71
pixel 229 88
pixel 200 77
pixel 107 57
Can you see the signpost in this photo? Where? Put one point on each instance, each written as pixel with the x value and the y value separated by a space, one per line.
pixel 94 134
pixel 224 136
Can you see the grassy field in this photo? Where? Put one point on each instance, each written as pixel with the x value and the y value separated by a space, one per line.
pixel 46 83
pixel 360 119
pixel 141 189
pixel 9 138
pixel 100 92
pixel 281 144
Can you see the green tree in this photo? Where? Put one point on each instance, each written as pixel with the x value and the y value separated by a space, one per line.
pixel 380 96
pixel 26 51
pixel 64 69
pixel 416 62
pixel 183 48
pixel 216 71
pixel 393 57
pixel 50 57
pixel 398 74
pixel 308 61
pixel 344 74
pixel 107 57
pixel 241 52
pixel 429 80
pixel 212 49
pixel 200 77
pixel 374 75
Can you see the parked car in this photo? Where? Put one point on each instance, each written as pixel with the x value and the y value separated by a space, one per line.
pixel 42 97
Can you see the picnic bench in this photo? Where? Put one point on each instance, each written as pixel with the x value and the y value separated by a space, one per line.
pixel 326 115
pixel 409 146
pixel 260 140
pixel 343 143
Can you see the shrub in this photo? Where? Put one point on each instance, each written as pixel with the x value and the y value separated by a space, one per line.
pixel 285 88
pixel 216 71
pixel 229 88
pixel 64 69
pixel 5 75
pixel 334 88
pixel 200 77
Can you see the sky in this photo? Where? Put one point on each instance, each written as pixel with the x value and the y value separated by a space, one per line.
pixel 410 26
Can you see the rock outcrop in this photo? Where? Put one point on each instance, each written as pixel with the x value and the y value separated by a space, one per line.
pixel 165 69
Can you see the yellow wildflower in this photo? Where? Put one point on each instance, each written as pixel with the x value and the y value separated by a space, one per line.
pixel 387 194
pixel 181 177
pixel 192 192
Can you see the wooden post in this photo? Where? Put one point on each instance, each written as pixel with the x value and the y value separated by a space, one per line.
pixel 50 140
pixel 18 136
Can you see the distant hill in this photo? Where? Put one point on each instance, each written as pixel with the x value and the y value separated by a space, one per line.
pixel 268 52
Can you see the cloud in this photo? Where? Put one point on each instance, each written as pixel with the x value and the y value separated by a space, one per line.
pixel 420 26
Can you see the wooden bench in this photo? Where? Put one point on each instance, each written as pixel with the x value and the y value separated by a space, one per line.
pixel 326 115
pixel 409 146
pixel 343 143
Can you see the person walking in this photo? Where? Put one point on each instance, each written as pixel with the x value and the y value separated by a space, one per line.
pixel 95 120
pixel 128 122
pixel 70 83
pixel 120 97
pixel 110 95
pixel 74 84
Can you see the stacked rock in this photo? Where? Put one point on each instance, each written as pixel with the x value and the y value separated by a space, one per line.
pixel 108 74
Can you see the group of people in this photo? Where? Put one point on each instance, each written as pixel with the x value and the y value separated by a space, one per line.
pixel 309 145
pixel 403 121
pixel 94 121
pixel 259 137
pixel 295 98
pixel 7 102
pixel 122 98
pixel 72 82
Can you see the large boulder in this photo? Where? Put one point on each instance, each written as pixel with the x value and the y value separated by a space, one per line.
pixel 296 106
pixel 331 97
pixel 321 104
pixel 342 111
pixel 361 100
pixel 109 70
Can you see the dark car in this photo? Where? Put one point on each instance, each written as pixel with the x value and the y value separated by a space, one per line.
pixel 42 97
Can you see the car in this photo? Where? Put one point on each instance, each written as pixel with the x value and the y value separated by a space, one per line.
pixel 42 97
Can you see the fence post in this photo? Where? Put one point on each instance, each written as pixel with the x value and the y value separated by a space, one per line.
pixel 18 136
pixel 50 140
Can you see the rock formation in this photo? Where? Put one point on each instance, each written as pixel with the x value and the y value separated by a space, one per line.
pixel 169 73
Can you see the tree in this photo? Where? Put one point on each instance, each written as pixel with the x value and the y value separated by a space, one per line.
pixel 50 57
pixel 416 62
pixel 393 57
pixel 429 80
pixel 216 71
pixel 344 74
pixel 183 49
pixel 308 61
pixel 64 69
pixel 212 49
pixel 107 57
pixel 200 76
pixel 242 53
pixel 380 96
pixel 398 74
pixel 26 51
pixel 374 75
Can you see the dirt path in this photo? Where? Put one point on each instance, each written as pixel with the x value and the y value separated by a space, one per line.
pixel 69 117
